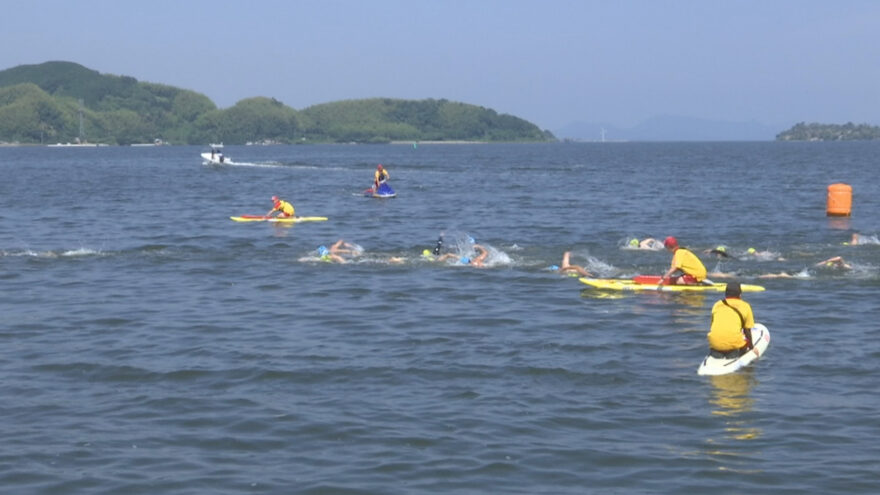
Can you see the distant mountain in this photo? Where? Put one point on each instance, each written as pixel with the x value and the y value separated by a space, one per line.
pixel 670 128
pixel 66 102
pixel 391 119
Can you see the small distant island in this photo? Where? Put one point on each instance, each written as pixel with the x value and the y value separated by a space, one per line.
pixel 830 132
pixel 64 102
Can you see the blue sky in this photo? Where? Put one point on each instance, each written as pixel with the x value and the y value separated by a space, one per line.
pixel 552 62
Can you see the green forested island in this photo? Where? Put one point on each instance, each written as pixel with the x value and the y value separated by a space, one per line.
pixel 830 132
pixel 61 102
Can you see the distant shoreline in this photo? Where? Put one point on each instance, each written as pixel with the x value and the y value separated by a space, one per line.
pixel 438 142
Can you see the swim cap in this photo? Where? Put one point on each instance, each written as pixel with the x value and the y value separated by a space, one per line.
pixel 464 260
pixel 426 253
pixel 751 250
pixel 721 249
pixel 322 250
pixel 634 242
pixel 553 268
pixel 670 242
pixel 733 290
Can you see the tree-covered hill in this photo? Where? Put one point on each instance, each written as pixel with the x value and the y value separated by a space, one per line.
pixel 386 119
pixel 115 109
pixel 64 101
pixel 830 132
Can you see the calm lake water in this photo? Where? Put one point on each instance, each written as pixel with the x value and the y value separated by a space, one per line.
pixel 150 345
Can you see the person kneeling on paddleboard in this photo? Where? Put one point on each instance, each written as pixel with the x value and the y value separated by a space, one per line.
pixel 730 334
pixel 284 209
pixel 380 178
pixel 685 269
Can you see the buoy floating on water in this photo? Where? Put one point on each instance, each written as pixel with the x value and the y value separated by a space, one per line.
pixel 839 200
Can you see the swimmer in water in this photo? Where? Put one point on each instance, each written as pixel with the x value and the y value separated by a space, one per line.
pixel 762 255
pixel 478 260
pixel 719 252
pixel 567 267
pixel 342 247
pixel 324 254
pixel 336 250
pixel 648 243
pixel 777 275
pixel 835 262
pixel 482 254
pixel 860 239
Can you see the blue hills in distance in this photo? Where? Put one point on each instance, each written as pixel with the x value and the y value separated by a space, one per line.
pixel 670 128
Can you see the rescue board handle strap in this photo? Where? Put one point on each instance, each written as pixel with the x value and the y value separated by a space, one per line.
pixel 747 332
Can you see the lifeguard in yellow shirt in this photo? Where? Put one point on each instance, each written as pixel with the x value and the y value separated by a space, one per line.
pixel 730 334
pixel 284 209
pixel 685 269
pixel 380 177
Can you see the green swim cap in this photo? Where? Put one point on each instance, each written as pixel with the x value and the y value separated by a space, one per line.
pixel 751 251
pixel 634 242
pixel 426 253
pixel 721 249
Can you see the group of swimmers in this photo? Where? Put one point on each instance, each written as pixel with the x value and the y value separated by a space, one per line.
pixel 343 251
pixel 729 335
pixel 732 318
pixel 722 253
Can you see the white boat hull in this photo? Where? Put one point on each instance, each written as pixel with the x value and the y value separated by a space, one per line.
pixel 719 366
pixel 216 159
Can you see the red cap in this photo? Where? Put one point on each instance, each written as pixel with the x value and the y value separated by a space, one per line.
pixel 670 242
pixel 274 198
pixel 379 167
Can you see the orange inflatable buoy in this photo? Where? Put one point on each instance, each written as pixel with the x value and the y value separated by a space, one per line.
pixel 839 200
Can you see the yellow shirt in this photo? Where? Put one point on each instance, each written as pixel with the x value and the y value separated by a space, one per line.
pixel 726 334
pixel 285 207
pixel 381 175
pixel 688 262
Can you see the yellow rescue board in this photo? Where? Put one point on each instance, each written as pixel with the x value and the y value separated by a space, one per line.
pixel 624 284
pixel 278 220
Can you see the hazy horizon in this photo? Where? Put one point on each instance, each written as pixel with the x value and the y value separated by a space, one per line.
pixel 553 63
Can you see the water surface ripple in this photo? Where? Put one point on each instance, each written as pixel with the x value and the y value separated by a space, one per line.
pixel 150 345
